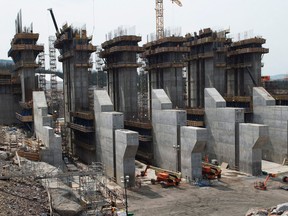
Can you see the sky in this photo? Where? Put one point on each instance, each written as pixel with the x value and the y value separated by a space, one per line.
pixel 244 18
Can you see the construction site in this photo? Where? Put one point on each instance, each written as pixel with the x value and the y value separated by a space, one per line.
pixel 177 125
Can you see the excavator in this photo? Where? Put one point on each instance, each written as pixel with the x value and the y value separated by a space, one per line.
pixel 165 177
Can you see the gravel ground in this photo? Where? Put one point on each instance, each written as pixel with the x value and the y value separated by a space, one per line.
pixel 233 195
pixel 22 197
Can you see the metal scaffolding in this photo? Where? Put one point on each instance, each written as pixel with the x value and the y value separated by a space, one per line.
pixel 53 80
pixel 42 80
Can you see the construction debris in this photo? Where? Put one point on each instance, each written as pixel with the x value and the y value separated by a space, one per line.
pixel 281 209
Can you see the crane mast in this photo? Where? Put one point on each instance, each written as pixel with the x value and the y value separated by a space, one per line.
pixel 160 17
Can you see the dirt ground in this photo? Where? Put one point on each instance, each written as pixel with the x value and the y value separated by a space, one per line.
pixel 234 194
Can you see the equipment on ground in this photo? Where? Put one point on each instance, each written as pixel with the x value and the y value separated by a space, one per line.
pixel 285 179
pixel 210 171
pixel 160 17
pixel 262 185
pixel 165 177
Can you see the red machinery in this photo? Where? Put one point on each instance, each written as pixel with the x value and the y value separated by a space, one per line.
pixel 164 177
pixel 260 185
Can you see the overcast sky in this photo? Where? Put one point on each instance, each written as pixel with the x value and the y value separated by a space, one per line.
pixel 266 18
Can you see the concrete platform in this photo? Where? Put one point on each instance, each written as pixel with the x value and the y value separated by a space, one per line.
pixel 276 168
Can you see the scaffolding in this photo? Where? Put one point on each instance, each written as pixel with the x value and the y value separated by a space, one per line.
pixel 53 80
pixel 42 80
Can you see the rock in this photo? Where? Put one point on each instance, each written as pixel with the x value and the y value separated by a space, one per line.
pixel 281 208
pixel 64 202
pixel 3 155
pixel 257 212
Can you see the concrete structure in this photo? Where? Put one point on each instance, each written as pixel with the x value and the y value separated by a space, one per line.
pixel 252 137
pixel 10 93
pixel 276 117
pixel 223 127
pixel 165 67
pixel 23 51
pixel 121 65
pixel 107 122
pixel 244 66
pixel 75 48
pixel 193 141
pixel 126 148
pixel 166 131
pixel 52 153
pixel 115 147
pixel 206 64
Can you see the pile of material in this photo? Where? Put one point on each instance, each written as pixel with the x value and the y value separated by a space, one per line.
pixel 281 209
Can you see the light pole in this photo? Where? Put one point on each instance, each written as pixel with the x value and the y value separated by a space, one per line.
pixel 125 180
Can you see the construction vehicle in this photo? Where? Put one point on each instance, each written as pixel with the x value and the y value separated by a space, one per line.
pixel 165 177
pixel 262 185
pixel 210 171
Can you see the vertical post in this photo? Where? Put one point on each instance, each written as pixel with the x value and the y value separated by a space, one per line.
pixel 125 180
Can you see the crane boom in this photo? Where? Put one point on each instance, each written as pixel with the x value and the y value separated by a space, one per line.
pixel 54 20
pixel 160 17
pixel 177 2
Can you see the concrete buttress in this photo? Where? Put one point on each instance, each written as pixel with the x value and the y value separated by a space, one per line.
pixel 126 147
pixel 252 137
pixel 166 131
pixel 193 141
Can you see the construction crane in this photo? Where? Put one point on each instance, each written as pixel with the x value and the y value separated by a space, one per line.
pixel 160 17
pixel 54 20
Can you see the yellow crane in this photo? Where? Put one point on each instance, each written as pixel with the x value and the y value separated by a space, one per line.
pixel 160 17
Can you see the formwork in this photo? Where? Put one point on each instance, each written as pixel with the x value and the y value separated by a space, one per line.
pixel 165 63
pixel 244 66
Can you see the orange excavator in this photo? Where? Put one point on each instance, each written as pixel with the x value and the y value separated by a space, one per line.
pixel 165 177
pixel 262 185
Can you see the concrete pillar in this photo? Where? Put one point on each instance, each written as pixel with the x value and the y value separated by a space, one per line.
pixel 193 140
pixel 126 147
pixel 252 137
pixel 166 131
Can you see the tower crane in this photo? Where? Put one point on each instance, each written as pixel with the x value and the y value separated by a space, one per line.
pixel 160 17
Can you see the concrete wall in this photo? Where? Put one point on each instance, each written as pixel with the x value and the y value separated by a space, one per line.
pixel 52 153
pixel 9 105
pixel 222 125
pixel 126 147
pixel 193 141
pixel 252 137
pixel 166 131
pixel 276 117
